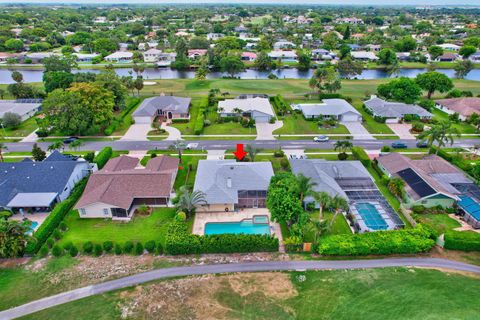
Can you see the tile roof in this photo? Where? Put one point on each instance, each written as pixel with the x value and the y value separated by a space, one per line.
pixel 328 107
pixel 247 105
pixel 221 180
pixel 388 109
pixel 19 108
pixel 119 183
pixel 464 106
pixel 150 106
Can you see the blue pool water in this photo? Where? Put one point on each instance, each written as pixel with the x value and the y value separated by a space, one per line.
pixel 32 227
pixel 245 227
pixel 371 216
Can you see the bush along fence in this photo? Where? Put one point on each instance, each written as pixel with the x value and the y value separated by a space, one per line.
pixel 462 240
pixel 124 117
pixel 103 156
pixel 406 241
pixel 49 226
pixel 280 105
pixel 179 241
pixel 200 120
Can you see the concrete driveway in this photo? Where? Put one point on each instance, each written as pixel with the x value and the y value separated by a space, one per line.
pixel 265 130
pixel 137 132
pixel 357 130
pixel 173 133
pixel 402 130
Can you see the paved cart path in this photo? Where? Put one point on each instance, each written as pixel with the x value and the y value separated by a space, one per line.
pixel 144 277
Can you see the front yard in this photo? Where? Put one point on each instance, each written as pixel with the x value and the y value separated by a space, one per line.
pixel 296 124
pixel 462 127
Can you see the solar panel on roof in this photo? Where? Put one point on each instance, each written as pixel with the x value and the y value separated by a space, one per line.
pixel 416 183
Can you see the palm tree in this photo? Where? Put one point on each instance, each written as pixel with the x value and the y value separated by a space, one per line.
pixel 441 133
pixel 396 185
pixel 323 199
pixel 189 200
pixel 3 147
pixel 13 238
pixel 343 146
pixel 317 228
pixel 75 145
pixel 338 204
pixel 252 151
pixel 305 186
pixel 56 146
pixel 179 145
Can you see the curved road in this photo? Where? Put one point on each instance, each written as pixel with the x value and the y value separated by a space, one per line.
pixel 227 268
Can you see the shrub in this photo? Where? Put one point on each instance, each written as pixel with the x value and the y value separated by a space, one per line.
pixel 179 241
pixel 97 250
pixel 150 246
pixel 88 247
pixel 63 226
pixel 181 216
pixel 407 241
pixel 285 164
pixel 67 245
pixel 360 154
pixel 385 149
pixel 278 153
pixel 5 214
pixel 138 249
pixel 118 249
pixel 159 248
pixel 462 240
pixel 43 251
pixel 123 118
pixel 418 126
pixel 54 218
pixel 108 246
pixel 128 247
pixel 57 250
pixel 57 234
pixel 50 242
pixel 89 156
pixel 73 252
pixel 103 156
pixel 342 156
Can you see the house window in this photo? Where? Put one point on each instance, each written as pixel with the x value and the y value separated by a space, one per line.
pixel 83 212
pixel 105 212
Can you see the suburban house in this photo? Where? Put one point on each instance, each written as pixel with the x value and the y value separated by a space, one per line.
pixel 450 47
pixel 475 58
pixel 259 109
pixel 85 57
pixel 25 108
pixel 465 107
pixel 215 36
pixel 448 57
pixel 322 55
pixel 248 56
pixel 229 185
pixel 169 107
pixel 152 55
pixel 120 57
pixel 350 180
pixel 196 53
pixel 429 182
pixel 121 186
pixel 165 59
pixel 281 45
pixel 35 186
pixel 289 56
pixel 394 112
pixel 364 55
pixel 37 57
pixel 337 109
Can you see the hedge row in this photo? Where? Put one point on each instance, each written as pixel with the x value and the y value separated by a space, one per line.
pixel 122 118
pixel 180 241
pixel 55 218
pixel 465 241
pixel 200 120
pixel 406 241
pixel 103 156
pixel 360 154
pixel 279 104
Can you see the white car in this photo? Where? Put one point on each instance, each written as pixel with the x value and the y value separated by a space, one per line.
pixel 321 139
pixel 191 146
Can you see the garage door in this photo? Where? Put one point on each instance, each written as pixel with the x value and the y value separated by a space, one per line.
pixel 349 117
pixel 142 120
pixel 262 119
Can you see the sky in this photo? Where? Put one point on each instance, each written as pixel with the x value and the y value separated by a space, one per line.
pixel 326 2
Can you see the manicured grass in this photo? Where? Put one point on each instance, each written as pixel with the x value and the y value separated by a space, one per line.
pixel 374 294
pixel 228 128
pixel 440 222
pixel 184 175
pixel 296 124
pixel 23 130
pixel 140 228
pixel 462 127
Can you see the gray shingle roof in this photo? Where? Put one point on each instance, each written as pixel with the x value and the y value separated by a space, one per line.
pixel 213 179
pixel 328 107
pixel 150 106
pixel 388 109
pixel 34 177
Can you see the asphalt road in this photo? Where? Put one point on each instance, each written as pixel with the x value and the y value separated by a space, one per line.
pixel 228 268
pixel 229 144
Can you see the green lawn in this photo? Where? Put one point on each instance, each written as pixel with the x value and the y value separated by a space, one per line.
pixel 296 124
pixel 376 294
pixel 228 128
pixel 440 222
pixel 463 127
pixel 139 229
pixel 25 128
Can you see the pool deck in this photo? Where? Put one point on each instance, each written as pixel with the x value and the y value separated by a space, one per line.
pixel 201 218
pixel 37 217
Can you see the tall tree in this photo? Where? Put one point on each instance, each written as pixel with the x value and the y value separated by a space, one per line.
pixel 37 153
pixel 434 81
pixel 231 65
pixel 325 79
pixel 13 238
pixel 179 146
pixel 305 186
pixel 343 146
pixel 463 67
pixel 188 200
pixel 252 151
pixel 349 68
pixel 442 134
pixel 402 89
pixel 323 200
pixel 338 204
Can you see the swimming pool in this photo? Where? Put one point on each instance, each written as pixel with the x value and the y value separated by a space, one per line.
pixel 370 216
pixel 245 226
pixel 32 227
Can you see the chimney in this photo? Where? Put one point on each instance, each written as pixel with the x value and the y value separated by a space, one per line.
pixel 229 182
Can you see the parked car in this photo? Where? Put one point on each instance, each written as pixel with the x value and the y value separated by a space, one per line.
pixel 191 146
pixel 399 145
pixel 321 139
pixel 422 144
pixel 70 140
